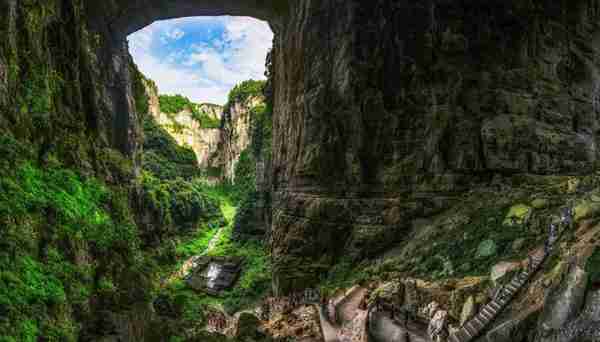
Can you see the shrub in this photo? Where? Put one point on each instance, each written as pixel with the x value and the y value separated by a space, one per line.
pixel 164 157
pixel 242 91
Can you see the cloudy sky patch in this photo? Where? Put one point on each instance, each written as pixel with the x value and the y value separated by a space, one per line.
pixel 202 57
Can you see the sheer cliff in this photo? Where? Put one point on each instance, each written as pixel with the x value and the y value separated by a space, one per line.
pixel 412 124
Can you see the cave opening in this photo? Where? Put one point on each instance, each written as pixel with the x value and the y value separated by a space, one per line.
pixel 203 76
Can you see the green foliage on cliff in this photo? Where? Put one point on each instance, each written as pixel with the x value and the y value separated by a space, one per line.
pixel 172 104
pixel 242 91
pixel 244 175
pixel 177 202
pixel 261 125
pixel 163 156
pixel 205 120
pixel 593 267
pixel 140 95
pixel 50 215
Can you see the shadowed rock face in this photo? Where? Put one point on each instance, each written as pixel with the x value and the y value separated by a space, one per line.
pixel 128 16
pixel 386 110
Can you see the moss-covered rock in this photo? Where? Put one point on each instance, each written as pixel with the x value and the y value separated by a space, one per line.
pixel 518 214
pixel 586 209
pixel 540 203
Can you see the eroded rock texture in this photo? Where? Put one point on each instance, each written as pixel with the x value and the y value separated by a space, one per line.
pixel 385 111
pixel 235 134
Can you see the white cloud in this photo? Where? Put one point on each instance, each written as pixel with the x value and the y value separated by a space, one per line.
pixel 175 34
pixel 206 70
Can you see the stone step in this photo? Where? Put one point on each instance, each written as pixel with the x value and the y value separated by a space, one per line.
pixel 471 328
pixel 495 306
pixel 512 288
pixel 483 319
pixel 454 338
pixel 487 312
pixel 477 323
pixel 466 335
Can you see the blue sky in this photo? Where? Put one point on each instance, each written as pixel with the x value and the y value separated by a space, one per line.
pixel 202 57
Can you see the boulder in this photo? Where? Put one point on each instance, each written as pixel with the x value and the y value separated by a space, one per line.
pixel 518 214
pixel 585 210
pixel 540 203
pixel 591 308
pixel 486 249
pixel 214 274
pixel 515 328
pixel 518 244
pixel 564 301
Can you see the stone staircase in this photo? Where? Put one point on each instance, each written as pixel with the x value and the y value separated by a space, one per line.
pixel 473 327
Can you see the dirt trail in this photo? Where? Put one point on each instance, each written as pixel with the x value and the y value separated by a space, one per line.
pixel 349 307
pixel 351 319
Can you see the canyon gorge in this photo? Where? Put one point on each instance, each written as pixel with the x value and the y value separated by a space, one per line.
pixel 403 159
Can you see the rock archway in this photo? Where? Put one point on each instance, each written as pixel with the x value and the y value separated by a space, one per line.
pixel 387 111
pixel 129 16
pixel 384 110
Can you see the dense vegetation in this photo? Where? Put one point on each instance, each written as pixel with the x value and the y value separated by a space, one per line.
pixel 172 104
pixel 242 91
pixel 163 157
pixel 53 219
pixel 82 236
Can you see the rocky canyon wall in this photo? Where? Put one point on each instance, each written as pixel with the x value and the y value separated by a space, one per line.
pixel 386 111
pixel 236 133
pixel 187 131
pixel 217 149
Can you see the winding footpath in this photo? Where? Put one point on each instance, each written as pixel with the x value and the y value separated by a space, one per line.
pixel 473 327
pixel 349 323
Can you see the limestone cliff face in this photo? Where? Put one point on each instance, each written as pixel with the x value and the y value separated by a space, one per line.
pixel 384 111
pixel 236 133
pixel 186 130
pixel 387 111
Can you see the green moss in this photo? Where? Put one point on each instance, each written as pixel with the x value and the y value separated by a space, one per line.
pixel 517 214
pixel 459 246
pixel 138 86
pixel 586 209
pixel 593 267
pixel 49 215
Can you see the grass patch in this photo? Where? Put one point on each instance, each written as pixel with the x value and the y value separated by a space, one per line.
pixel 198 242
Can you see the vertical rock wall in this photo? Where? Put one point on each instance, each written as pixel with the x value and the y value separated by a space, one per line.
pixel 236 134
pixel 388 110
pixel 186 130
